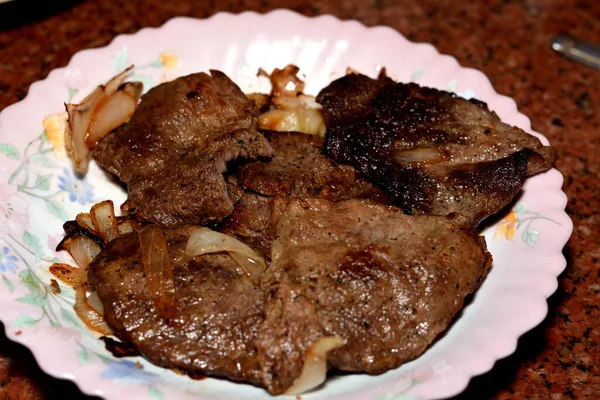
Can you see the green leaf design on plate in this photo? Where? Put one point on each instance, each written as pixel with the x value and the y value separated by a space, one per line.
pixel 72 93
pixel 84 357
pixel 24 321
pixel 452 86
pixel 147 80
pixel 157 64
pixel 520 208
pixel 34 245
pixel 530 236
pixel 417 74
pixel 33 300
pixel 71 318
pixel 8 283
pixel 42 182
pixel 119 61
pixel 56 209
pixel 155 394
pixel 30 282
pixel 43 161
pixel 9 150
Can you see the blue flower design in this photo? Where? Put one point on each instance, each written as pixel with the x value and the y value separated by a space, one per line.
pixel 126 371
pixel 79 189
pixel 7 260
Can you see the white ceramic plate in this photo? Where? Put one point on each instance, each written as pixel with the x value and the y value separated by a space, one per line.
pixel 38 192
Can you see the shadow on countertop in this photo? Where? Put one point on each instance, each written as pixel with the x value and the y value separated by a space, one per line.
pixel 15 13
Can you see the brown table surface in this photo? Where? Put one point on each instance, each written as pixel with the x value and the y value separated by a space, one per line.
pixel 508 40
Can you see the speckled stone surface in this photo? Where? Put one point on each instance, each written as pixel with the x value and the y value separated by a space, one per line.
pixel 508 40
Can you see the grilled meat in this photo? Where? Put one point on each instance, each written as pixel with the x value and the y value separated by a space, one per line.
pixel 431 151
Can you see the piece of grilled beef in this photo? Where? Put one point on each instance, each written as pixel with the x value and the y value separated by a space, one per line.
pixel 173 152
pixel 299 168
pixel 218 312
pixel 385 282
pixel 431 151
pixel 259 189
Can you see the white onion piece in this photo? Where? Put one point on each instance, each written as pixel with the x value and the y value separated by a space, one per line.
pixel 113 111
pixel 206 241
pixel 106 108
pixel 81 248
pixel 419 155
pixel 104 219
pixel 314 370
pixel 125 226
pixel 85 221
pixel 158 269
pixel 69 275
pixel 300 119
pixel 90 317
pixel 95 302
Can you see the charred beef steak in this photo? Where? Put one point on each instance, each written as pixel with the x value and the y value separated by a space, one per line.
pixel 385 282
pixel 431 151
pixel 174 150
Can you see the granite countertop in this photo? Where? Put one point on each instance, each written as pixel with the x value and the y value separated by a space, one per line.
pixel 508 40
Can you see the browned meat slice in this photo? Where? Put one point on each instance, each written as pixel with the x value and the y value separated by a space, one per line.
pixel 174 150
pixel 385 282
pixel 300 169
pixel 431 151
pixel 252 219
pixel 261 189
pixel 218 309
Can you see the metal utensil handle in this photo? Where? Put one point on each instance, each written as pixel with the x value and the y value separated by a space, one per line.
pixel 578 50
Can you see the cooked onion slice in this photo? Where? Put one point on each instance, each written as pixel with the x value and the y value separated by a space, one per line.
pixel 206 241
pixel 104 220
pixel 301 119
pixel 85 221
pixel 69 275
pixel 284 82
pixel 158 269
pixel 95 302
pixel 291 110
pixel 419 155
pixel 125 225
pixel 106 108
pixel 82 248
pixel 90 317
pixel 314 370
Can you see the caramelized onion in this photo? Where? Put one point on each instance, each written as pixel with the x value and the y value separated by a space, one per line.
pixel 90 316
pixel 95 302
pixel 158 269
pixel 105 221
pixel 314 370
pixel 206 241
pixel 125 226
pixel 106 108
pixel 305 120
pixel 69 275
pixel 85 221
pixel 82 248
pixel 419 155
pixel 284 82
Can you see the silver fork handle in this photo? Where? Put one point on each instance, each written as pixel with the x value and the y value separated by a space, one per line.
pixel 578 50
